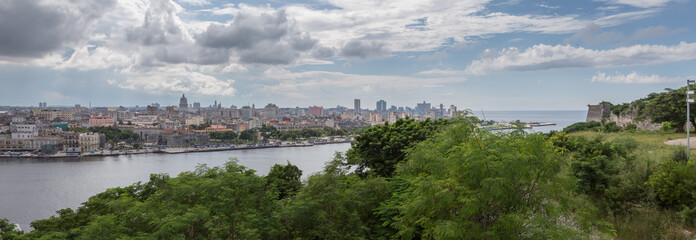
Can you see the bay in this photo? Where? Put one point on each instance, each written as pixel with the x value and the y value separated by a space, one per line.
pixel 32 189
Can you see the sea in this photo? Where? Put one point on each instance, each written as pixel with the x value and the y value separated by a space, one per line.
pixel 32 189
pixel 562 118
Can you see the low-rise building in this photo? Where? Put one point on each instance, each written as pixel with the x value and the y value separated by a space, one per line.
pixel 197 120
pixel 89 142
pixel 101 121
pixel 183 138
pixel 24 130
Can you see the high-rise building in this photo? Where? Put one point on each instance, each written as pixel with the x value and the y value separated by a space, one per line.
pixel 245 113
pixel 381 105
pixel 183 103
pixel 453 111
pixel 270 112
pixel 356 104
pixel 196 105
pixel 422 108
pixel 316 110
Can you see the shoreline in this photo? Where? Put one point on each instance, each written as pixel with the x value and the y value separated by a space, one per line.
pixel 173 150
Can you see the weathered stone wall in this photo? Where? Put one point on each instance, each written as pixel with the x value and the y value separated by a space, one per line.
pixel 626 118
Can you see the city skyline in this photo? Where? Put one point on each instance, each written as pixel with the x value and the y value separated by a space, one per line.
pixel 491 55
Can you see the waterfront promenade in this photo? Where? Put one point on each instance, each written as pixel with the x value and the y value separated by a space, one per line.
pixel 206 148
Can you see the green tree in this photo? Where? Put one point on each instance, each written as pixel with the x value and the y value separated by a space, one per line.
pixel 284 179
pixel 468 183
pixel 248 135
pixel 583 126
pixel 669 106
pixel 337 205
pixel 8 230
pixel 381 147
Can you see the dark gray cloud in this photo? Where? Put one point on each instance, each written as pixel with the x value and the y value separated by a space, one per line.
pixel 33 29
pixel 364 49
pixel 269 53
pixel 190 54
pixel 258 39
pixel 323 52
pixel 302 42
pixel 245 31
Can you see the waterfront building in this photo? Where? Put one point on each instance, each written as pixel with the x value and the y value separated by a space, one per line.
pixel 183 138
pixel 23 130
pixel 88 142
pixel 71 142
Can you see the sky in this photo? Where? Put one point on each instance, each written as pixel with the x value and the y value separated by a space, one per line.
pixel 475 54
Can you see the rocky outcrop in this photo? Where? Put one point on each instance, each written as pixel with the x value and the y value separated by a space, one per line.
pixel 625 118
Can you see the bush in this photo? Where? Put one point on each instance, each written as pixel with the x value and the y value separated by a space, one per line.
pixel 583 127
pixel 611 127
pixel 680 155
pixel 630 127
pixel 667 126
pixel 674 183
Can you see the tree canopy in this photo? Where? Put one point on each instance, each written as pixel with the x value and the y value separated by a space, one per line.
pixel 380 148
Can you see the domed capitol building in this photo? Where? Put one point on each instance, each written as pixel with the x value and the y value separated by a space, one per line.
pixel 183 103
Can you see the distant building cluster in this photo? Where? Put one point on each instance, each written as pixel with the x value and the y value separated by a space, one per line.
pixel 52 129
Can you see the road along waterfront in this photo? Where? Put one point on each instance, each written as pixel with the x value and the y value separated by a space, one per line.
pixel 35 188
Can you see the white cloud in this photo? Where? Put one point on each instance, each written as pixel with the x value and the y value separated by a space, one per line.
pixel 543 57
pixel 542 5
pixel 92 57
pixel 163 80
pixel 195 2
pixel 441 72
pixel 635 78
pixel 640 3
pixel 330 84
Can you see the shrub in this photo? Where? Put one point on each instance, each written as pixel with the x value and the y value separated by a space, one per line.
pixel 674 183
pixel 630 127
pixel 582 127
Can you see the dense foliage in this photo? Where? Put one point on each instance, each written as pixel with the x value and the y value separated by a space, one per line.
pixel 115 135
pixel 595 126
pixel 270 132
pixel 226 136
pixel 668 107
pixel 380 148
